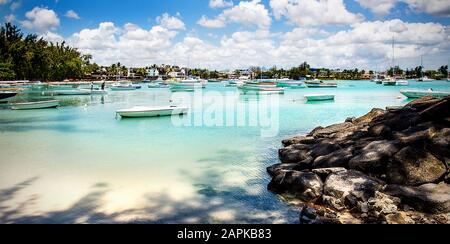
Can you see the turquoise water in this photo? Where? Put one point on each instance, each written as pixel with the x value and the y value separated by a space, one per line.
pixel 81 164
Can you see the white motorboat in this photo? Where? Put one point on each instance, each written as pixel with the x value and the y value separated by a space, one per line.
pixel 424 79
pixel 7 94
pixel 290 84
pixel 424 93
pixel 319 97
pixel 402 83
pixel 233 83
pixel 260 88
pixel 320 84
pixel 35 105
pixel 139 112
pixel 158 85
pixel 78 92
pixel 389 82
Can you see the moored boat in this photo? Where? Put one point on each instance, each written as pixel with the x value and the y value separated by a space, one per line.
pixel 158 85
pixel 6 95
pixel 320 84
pixel 424 93
pixel 139 112
pixel 402 83
pixel 35 105
pixel 424 79
pixel 78 92
pixel 389 82
pixel 290 84
pixel 260 87
pixel 319 97
pixel 124 88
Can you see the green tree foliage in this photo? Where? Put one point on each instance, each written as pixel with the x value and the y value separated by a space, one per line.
pixel 32 58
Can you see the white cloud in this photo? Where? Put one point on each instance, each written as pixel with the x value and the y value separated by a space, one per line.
pixel 381 7
pixel 52 37
pixel 15 5
pixel 170 22
pixel 365 45
pixel 314 12
pixel 41 19
pixel 72 14
pixel 2 2
pixel 10 18
pixel 131 44
pixel 248 13
pixel 220 3
pixel 433 7
pixel 211 23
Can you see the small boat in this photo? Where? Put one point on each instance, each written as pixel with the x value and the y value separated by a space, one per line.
pixel 6 95
pixel 214 81
pixel 290 84
pixel 424 79
pixel 389 82
pixel 139 112
pixel 157 85
pixel 78 92
pixel 260 88
pixel 233 83
pixel 319 97
pixel 320 84
pixel 424 93
pixel 402 83
pixel 35 105
pixel 124 87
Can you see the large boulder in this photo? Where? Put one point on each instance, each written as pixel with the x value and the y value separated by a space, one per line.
pixel 306 186
pixel 329 130
pixel 342 184
pixel 429 198
pixel 373 158
pixel 276 168
pixel 376 112
pixel 440 142
pixel 299 140
pixel 337 158
pixel 414 166
pixel 294 153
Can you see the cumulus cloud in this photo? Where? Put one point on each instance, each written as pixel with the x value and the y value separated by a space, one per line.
pixel 380 7
pixel 170 22
pixel 220 3
pixel 129 44
pixel 41 19
pixel 314 12
pixel 211 23
pixel 135 46
pixel 434 7
pixel 52 37
pixel 248 13
pixel 10 18
pixel 72 14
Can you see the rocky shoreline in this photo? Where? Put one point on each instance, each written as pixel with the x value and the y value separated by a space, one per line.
pixel 388 166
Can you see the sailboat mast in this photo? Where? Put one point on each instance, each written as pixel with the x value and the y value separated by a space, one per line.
pixel 393 54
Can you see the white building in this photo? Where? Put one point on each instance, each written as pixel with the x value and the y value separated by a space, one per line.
pixel 153 73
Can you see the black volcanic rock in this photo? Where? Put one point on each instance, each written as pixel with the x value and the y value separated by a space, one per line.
pixel 346 165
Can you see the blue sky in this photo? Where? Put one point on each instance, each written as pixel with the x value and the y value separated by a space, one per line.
pixel 250 32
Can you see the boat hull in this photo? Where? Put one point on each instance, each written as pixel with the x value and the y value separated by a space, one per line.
pixel 419 94
pixel 35 105
pixel 311 98
pixel 6 95
pixel 151 112
pixel 321 86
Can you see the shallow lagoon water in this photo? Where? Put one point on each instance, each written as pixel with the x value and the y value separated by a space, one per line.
pixel 81 164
